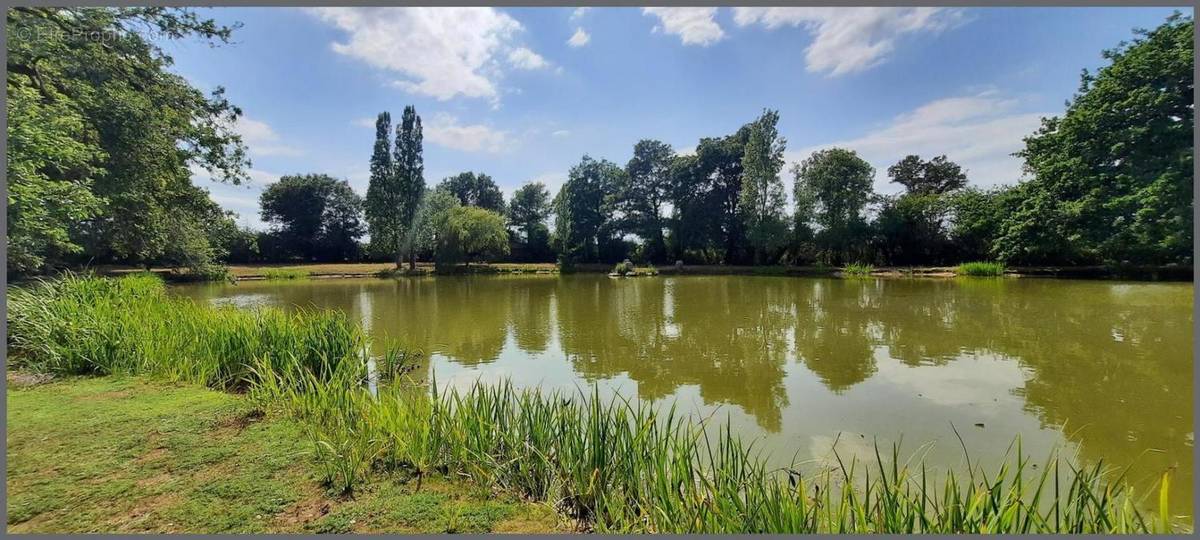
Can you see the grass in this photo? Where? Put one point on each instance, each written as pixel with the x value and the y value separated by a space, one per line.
pixel 285 273
pixel 858 269
pixel 611 465
pixel 980 268
pixel 130 455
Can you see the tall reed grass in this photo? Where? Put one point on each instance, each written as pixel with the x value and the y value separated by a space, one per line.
pixel 276 274
pixel 88 325
pixel 618 466
pixel 980 268
pixel 858 269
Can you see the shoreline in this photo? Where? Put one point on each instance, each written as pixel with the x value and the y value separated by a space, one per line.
pixel 388 270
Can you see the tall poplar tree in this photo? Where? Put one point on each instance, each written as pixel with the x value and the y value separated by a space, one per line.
pixel 762 198
pixel 383 193
pixel 410 180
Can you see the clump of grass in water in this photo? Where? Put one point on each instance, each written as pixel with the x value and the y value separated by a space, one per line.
pixel 274 274
pixel 980 268
pixel 858 269
pixel 617 466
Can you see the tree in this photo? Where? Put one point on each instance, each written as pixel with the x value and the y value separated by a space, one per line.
pixel 762 198
pixel 473 233
pixel 645 190
pixel 432 221
pixel 314 215
pixel 832 189
pixel 474 189
pixel 579 209
pixel 1111 180
pixel 976 217
pixel 124 114
pixel 911 229
pixel 410 173
pixel 934 177
pixel 383 194
pixel 527 212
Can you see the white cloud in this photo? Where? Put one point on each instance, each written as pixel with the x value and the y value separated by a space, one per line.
pixel 365 122
pixel 444 130
pixel 847 40
pixel 979 132
pixel 579 13
pixel 261 140
pixel 441 52
pixel 579 38
pixel 693 25
pixel 523 58
pixel 561 133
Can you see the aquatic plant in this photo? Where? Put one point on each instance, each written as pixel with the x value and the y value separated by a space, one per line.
pixel 89 325
pixel 980 268
pixel 624 268
pixel 858 269
pixel 285 273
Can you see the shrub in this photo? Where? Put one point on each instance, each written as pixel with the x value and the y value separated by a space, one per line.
pixel 624 268
pixel 858 269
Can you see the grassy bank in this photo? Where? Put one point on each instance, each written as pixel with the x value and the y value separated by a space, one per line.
pixel 129 455
pixel 608 465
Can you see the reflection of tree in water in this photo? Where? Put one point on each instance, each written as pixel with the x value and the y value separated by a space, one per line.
pixel 464 318
pixel 529 308
pixel 833 330
pixel 724 336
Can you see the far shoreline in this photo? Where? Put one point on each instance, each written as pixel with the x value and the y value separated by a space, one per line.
pixel 388 270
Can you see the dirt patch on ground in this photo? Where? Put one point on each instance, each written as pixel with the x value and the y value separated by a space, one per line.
pixel 21 379
pixel 234 424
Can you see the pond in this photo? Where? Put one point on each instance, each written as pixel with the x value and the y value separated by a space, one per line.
pixel 1101 370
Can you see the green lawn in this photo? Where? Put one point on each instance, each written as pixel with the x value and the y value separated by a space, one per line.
pixel 120 454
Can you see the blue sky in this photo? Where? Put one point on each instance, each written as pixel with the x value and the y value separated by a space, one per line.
pixel 522 93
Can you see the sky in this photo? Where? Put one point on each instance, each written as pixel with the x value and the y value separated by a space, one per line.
pixel 521 94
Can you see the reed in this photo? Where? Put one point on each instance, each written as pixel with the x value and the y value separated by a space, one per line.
pixel 858 269
pixel 279 274
pixel 980 268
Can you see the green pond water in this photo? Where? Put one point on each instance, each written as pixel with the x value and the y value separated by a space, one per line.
pixel 1101 370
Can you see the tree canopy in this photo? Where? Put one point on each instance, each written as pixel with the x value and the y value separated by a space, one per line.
pixel 316 216
pixel 475 189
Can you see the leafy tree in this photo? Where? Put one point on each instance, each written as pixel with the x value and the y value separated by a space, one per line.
pixel 646 188
pixel 383 194
pixel 316 216
pixel 527 212
pixel 832 189
pixel 762 198
pixel 410 174
pixel 976 220
pixel 1112 178
pixel 719 166
pixel 473 233
pixel 911 229
pixel 580 218
pixel 934 177
pixel 474 189
pixel 432 221
pixel 145 127
pixel 695 229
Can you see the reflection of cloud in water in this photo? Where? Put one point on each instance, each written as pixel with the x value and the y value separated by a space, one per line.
pixel 972 380
pixel 250 300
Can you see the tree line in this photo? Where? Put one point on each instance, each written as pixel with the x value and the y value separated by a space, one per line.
pixel 102 175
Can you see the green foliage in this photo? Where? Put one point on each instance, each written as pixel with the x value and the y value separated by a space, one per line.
pixel 858 269
pixel 762 198
pixel 89 325
pixel 431 225
pixel 624 268
pixel 80 105
pixel 396 186
pixel 832 190
pixel 282 274
pixel 911 229
pixel 472 233
pixel 977 217
pixel 980 268
pixel 579 210
pixel 527 212
pixel 937 176
pixel 1112 178
pixel 643 191
pixel 316 216
pixel 475 189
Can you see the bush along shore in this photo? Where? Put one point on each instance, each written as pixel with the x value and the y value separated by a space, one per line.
pixel 610 464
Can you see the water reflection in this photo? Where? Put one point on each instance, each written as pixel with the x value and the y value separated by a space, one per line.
pixel 799 363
